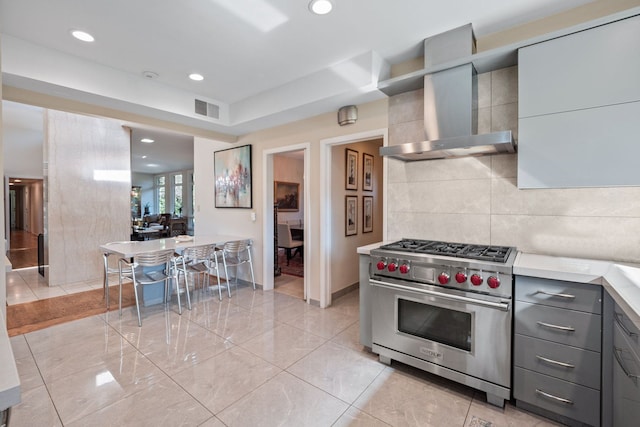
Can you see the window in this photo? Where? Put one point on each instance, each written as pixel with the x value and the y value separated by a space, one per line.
pixel 177 194
pixel 161 190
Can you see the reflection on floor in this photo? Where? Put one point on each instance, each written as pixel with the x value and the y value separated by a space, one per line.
pixel 257 358
pixel 24 249
pixel 289 285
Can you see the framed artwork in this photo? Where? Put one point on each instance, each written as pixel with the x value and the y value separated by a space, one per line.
pixel 352 170
pixel 367 172
pixel 286 196
pixel 232 171
pixel 351 216
pixel 367 214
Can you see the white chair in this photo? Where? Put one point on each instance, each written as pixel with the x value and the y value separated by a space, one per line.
pixel 286 241
pixel 235 254
pixel 148 268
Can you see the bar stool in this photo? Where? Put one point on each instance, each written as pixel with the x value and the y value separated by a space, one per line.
pixel 109 270
pixel 148 268
pixel 235 254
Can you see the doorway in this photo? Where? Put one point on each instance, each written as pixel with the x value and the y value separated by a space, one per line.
pixel 26 219
pixel 287 202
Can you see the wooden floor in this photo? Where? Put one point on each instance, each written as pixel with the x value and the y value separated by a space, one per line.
pixel 24 249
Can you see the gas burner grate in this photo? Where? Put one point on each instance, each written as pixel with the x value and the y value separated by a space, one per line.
pixel 498 254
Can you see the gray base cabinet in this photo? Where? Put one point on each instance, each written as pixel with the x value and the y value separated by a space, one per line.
pixel 557 349
pixel 626 371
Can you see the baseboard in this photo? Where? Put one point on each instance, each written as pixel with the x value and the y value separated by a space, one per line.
pixel 338 294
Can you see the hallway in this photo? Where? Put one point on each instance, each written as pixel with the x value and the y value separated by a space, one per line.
pixel 24 249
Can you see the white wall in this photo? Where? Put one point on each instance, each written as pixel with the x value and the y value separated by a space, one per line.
pixel 3 277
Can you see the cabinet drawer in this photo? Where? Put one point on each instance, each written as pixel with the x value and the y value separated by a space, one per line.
pixel 626 367
pixel 574 328
pixel 557 293
pixel 558 360
pixel 628 329
pixel 580 403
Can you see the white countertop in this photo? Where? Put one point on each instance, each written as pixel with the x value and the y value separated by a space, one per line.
pixel 133 248
pixel 366 250
pixel 9 379
pixel 621 281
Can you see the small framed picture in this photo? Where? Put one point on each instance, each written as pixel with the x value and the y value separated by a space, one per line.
pixel 352 170
pixel 367 214
pixel 367 172
pixel 351 216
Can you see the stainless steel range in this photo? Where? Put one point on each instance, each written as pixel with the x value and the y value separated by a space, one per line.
pixel 446 308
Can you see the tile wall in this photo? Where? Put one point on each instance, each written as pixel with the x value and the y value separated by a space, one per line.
pixel 476 200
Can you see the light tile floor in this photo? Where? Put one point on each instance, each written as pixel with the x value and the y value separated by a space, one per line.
pixel 26 285
pixel 255 359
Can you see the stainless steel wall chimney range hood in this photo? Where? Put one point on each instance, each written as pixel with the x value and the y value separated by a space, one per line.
pixel 451 106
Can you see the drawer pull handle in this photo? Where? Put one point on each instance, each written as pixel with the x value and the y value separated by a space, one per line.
pixel 551 294
pixel 555 362
pixel 551 396
pixel 620 323
pixel 618 353
pixel 562 328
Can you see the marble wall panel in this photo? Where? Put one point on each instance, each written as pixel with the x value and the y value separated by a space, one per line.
pixel 464 168
pixel 606 238
pixel 579 202
pixel 504 86
pixel 484 90
pixel 468 228
pixel 452 197
pixel 411 131
pixel 504 166
pixel 406 107
pixel 89 184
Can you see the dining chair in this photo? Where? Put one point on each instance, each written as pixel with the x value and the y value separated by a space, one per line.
pixel 109 270
pixel 200 261
pixel 286 241
pixel 235 254
pixel 148 268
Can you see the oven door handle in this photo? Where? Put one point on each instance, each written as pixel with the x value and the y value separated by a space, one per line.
pixel 503 306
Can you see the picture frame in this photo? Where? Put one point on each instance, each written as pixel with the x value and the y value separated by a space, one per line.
pixel 351 215
pixel 367 172
pixel 232 174
pixel 367 214
pixel 351 170
pixel 286 196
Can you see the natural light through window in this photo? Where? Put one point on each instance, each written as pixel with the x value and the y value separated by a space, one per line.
pixel 112 175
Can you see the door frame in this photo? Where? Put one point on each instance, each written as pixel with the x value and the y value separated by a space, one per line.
pixel 326 210
pixel 267 229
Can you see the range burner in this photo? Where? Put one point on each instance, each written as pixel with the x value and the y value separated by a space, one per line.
pixel 498 254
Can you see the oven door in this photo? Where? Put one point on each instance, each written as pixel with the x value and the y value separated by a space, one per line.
pixel 466 332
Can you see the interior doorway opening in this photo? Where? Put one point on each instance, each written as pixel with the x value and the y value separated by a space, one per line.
pixel 26 221
pixel 287 217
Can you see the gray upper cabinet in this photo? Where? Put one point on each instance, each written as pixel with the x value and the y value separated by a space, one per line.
pixel 578 109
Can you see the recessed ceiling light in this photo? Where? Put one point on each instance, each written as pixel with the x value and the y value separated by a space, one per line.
pixel 17 180
pixel 150 74
pixel 82 35
pixel 197 77
pixel 147 140
pixel 144 157
pixel 320 7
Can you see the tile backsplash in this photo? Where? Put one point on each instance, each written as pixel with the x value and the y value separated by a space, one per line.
pixel 476 199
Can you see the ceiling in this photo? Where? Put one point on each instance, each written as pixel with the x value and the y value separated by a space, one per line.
pixel 264 62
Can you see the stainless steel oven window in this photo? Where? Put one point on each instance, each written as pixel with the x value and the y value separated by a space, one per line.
pixel 433 323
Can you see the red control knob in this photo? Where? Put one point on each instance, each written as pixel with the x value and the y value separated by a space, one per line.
pixel 443 278
pixel 404 268
pixel 381 265
pixel 461 277
pixel 493 282
pixel 476 280
pixel 392 266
